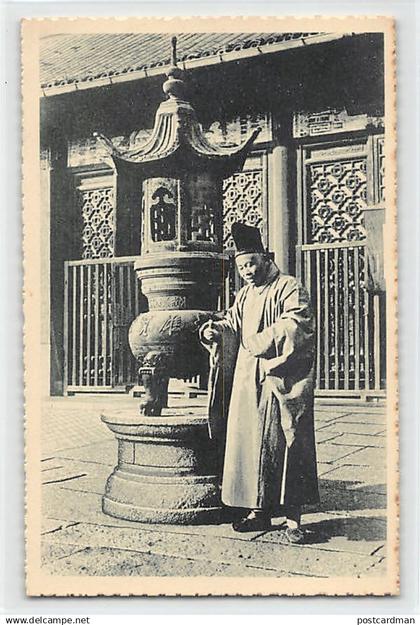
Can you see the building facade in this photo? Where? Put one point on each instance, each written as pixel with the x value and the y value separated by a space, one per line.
pixel 314 184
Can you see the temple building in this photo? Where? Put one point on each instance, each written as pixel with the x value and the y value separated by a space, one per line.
pixel 313 182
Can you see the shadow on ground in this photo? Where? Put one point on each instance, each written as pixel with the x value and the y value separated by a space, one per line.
pixel 358 529
pixel 338 495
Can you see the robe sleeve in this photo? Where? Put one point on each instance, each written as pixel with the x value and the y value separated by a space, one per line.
pixel 231 320
pixel 291 336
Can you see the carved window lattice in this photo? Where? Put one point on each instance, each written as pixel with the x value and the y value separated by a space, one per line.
pixel 337 200
pixel 242 201
pixel 348 317
pixel 98 222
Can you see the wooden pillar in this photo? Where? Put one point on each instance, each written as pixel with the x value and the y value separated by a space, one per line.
pixel 279 208
pixel 61 249
pixel 281 220
pixel 374 218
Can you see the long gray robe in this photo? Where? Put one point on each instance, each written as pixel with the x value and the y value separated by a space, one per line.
pixel 270 457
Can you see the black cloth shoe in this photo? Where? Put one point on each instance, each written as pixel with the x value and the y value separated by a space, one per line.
pixel 253 523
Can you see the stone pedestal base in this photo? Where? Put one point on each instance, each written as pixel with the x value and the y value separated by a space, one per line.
pixel 166 471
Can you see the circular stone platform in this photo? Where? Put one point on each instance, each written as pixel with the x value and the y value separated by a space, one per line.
pixel 167 468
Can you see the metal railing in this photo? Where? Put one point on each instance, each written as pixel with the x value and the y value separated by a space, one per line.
pixel 102 297
pixel 350 320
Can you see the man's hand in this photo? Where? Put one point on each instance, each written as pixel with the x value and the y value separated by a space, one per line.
pixel 211 333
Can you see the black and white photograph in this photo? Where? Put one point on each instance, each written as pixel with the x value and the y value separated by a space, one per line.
pixel 210 313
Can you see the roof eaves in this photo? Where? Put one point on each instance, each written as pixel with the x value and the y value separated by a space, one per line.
pixel 220 57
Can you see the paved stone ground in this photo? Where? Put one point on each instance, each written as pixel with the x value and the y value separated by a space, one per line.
pixel 346 531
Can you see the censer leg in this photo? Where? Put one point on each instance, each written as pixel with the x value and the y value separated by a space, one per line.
pixel 156 392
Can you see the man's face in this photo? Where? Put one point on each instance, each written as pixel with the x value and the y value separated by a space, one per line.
pixel 252 268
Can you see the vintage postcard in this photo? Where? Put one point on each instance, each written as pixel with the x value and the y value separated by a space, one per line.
pixel 210 317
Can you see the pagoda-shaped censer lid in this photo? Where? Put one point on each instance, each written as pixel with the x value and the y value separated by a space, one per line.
pixel 177 143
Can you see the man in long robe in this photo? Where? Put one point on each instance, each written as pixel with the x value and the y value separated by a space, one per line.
pixel 270 460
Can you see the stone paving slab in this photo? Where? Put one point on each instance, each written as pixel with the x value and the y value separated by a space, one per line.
pixel 294 559
pixel 93 481
pixel 378 569
pixel 357 440
pixel 92 469
pixel 119 562
pixel 63 504
pixel 322 417
pixel 94 485
pixel 103 453
pixel 56 551
pixel 353 428
pixel 323 467
pixel 81 425
pixel 49 525
pixel 310 517
pixel 363 417
pixel 76 475
pixel 350 407
pixel 329 453
pixel 372 475
pixel 370 457
pixel 62 474
pixel 323 437
pixel 49 464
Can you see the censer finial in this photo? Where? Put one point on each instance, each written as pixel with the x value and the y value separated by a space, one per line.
pixel 173 42
pixel 174 86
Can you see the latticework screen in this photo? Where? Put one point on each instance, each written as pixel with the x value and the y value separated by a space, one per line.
pixel 97 206
pixel 242 201
pixel 338 199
